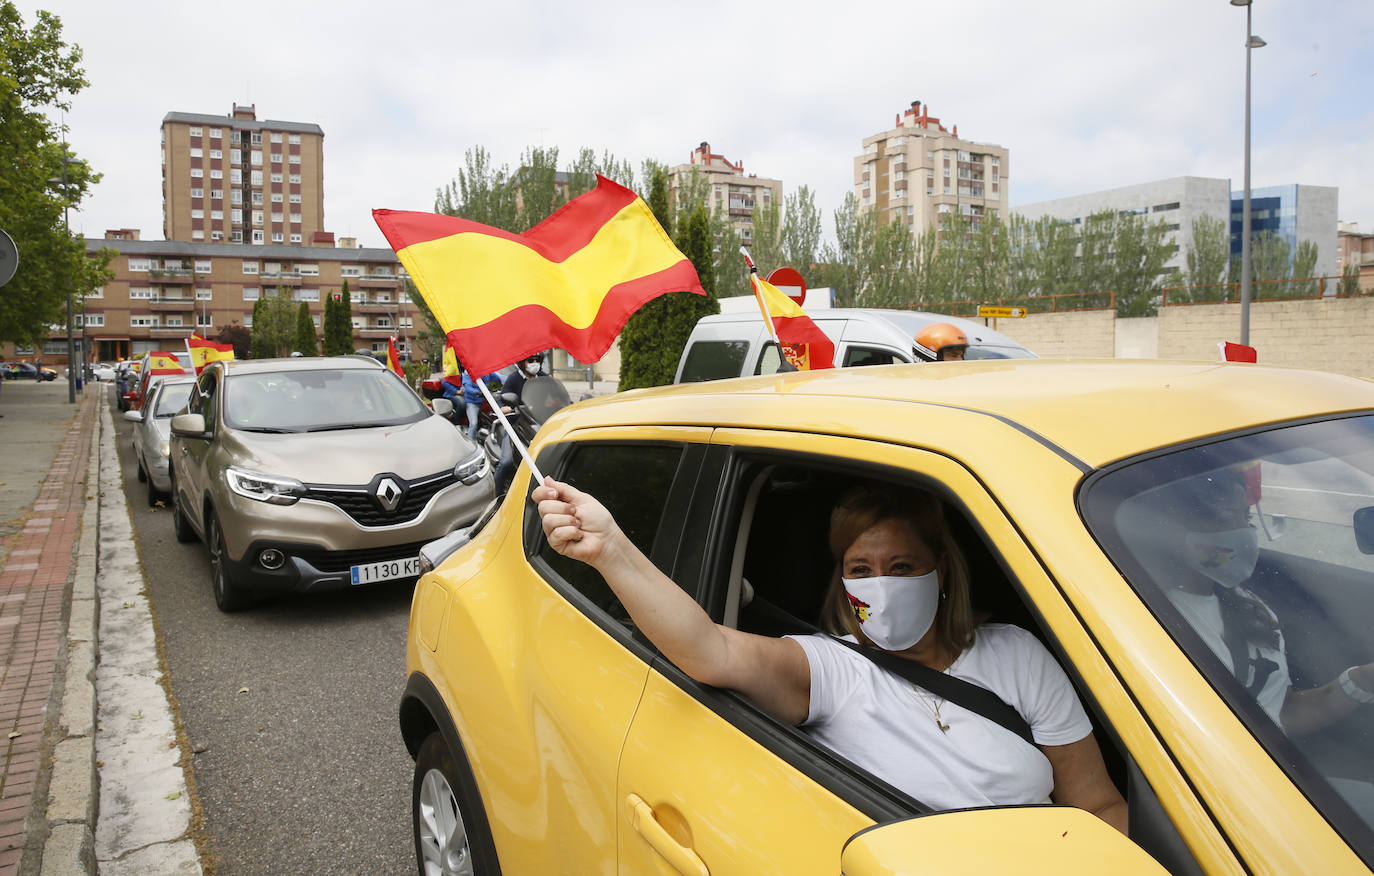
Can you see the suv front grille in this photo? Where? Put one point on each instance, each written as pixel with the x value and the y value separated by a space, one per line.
pixel 358 502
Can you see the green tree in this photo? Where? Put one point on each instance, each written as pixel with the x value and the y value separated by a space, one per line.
pixel 306 342
pixel 1350 281
pixel 640 359
pixel 1304 266
pixel 261 344
pixel 40 73
pixel 801 232
pixel 1140 250
pixel 1209 254
pixel 338 324
pixel 1270 261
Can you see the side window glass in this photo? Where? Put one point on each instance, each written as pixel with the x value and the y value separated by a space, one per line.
pixel 869 356
pixel 632 481
pixel 770 360
pixel 203 400
pixel 714 360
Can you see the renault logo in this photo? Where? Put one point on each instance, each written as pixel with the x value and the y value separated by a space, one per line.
pixel 389 494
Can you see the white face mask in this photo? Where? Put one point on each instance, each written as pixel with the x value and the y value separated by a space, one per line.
pixel 1228 557
pixel 531 368
pixel 894 612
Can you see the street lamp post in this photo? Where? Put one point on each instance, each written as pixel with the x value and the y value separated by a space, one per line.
pixel 1251 42
pixel 67 229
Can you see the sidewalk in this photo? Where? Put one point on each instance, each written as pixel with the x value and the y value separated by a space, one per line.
pixel 47 542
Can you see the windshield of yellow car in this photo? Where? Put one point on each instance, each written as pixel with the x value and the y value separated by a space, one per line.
pixel 1257 552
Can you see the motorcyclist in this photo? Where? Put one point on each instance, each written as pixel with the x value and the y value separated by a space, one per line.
pixel 530 368
pixel 945 342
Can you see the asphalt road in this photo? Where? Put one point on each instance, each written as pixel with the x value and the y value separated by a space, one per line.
pixel 290 707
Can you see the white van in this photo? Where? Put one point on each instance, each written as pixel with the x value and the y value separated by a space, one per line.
pixel 738 344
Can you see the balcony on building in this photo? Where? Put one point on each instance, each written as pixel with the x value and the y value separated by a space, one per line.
pixel 171 304
pixel 375 331
pixel 281 278
pixel 376 280
pixel 171 331
pixel 171 275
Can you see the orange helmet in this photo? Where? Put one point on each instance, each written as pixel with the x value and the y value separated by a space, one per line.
pixel 939 335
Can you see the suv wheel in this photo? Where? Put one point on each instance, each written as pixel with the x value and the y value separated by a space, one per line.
pixel 451 833
pixel 229 596
pixel 181 527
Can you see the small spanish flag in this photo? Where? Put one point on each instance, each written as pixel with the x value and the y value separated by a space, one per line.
pixel 164 363
pixel 204 352
pixel 393 358
pixel 803 343
pixel 571 281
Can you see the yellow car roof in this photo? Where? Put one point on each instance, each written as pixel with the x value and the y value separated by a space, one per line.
pixel 1095 410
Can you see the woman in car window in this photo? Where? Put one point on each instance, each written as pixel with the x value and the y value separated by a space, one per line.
pixel 900 585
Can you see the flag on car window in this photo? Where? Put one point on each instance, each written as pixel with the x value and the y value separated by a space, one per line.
pixel 164 363
pixel 393 358
pixel 803 343
pixel 204 352
pixel 569 282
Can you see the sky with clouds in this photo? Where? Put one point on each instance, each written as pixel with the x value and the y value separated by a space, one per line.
pixel 1086 94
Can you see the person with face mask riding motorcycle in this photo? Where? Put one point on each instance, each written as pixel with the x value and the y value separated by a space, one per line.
pixel 1213 549
pixel 529 368
pixel 900 587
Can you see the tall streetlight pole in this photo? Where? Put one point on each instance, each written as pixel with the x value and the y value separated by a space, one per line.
pixel 1251 42
pixel 67 229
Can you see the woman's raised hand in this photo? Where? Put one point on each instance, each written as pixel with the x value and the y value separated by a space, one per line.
pixel 575 524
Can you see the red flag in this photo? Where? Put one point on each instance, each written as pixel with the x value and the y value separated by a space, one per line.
pixel 569 282
pixel 393 359
pixel 1237 352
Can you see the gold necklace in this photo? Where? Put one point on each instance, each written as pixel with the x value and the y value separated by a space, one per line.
pixel 932 706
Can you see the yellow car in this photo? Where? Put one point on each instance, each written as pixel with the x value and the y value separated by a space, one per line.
pixel 551 737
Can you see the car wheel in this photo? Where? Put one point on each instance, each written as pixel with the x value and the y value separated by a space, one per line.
pixel 229 596
pixel 154 494
pixel 451 833
pixel 181 527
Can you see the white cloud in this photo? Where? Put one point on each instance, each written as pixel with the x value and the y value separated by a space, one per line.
pixel 1087 95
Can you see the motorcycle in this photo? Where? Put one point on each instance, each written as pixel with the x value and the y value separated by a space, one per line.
pixel 538 400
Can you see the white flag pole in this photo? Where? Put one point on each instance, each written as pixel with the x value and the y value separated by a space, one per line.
pixel 514 438
pixel 758 295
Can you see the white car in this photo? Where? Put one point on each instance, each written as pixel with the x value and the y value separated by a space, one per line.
pixel 102 372
pixel 152 432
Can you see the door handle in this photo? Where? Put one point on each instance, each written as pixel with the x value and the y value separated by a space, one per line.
pixel 683 859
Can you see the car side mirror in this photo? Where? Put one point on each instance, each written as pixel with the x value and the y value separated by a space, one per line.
pixel 1364 529
pixel 442 406
pixel 1047 840
pixel 134 416
pixel 189 426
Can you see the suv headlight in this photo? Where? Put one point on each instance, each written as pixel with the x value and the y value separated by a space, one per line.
pixel 472 469
pixel 264 488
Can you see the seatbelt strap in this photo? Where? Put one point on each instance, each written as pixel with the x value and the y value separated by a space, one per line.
pixel 974 697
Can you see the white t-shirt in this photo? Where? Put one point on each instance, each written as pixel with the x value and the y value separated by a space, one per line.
pixel 879 721
pixel 1203 611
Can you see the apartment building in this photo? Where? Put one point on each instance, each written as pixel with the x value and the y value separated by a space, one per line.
pixel 1356 250
pixel 731 191
pixel 163 290
pixel 918 170
pixel 236 180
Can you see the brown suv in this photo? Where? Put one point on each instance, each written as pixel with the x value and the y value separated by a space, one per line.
pixel 316 473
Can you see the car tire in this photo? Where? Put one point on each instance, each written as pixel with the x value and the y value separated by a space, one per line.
pixel 154 494
pixel 181 527
pixel 142 476
pixel 450 826
pixel 229 595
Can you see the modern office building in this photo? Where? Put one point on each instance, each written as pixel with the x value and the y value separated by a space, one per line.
pixel 234 179
pixel 731 190
pixel 1295 213
pixel 918 170
pixel 1177 202
pixel 164 289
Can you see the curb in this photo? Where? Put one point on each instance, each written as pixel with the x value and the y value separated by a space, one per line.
pixel 72 789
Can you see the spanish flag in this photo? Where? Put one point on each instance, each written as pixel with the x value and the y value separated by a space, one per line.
pixel 393 358
pixel 204 352
pixel 803 343
pixel 164 363
pixel 569 282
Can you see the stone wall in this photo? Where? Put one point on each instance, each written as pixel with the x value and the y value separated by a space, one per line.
pixel 1089 333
